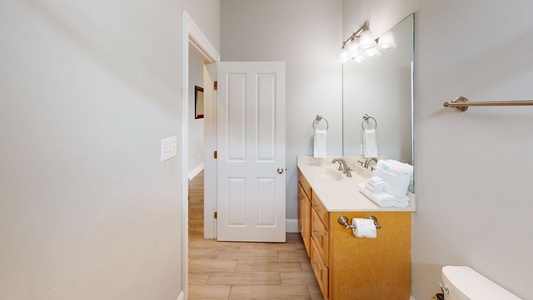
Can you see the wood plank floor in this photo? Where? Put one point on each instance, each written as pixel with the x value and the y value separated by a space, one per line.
pixel 236 270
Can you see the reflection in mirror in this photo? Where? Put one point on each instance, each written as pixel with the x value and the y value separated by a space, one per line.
pixel 198 102
pixel 381 87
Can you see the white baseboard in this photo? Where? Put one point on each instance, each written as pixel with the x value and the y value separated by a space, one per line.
pixel 181 296
pixel 291 225
pixel 196 171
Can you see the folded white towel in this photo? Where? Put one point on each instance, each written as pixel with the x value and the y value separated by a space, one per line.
pixel 397 175
pixel 407 168
pixel 319 150
pixel 384 199
pixel 395 166
pixel 376 184
pixel 397 184
pixel 370 145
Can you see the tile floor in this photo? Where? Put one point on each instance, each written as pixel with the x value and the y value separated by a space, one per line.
pixel 237 270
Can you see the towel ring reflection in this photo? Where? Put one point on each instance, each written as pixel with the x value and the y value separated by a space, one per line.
pixel 318 119
pixel 365 118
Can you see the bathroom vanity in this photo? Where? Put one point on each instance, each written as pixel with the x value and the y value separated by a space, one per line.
pixel 347 267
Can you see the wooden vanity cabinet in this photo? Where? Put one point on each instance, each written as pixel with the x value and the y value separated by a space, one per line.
pixel 362 268
pixel 304 211
pixel 347 267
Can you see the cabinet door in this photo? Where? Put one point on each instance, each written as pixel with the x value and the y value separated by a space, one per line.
pixel 304 218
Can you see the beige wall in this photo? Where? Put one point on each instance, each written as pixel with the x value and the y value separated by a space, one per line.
pixel 87 91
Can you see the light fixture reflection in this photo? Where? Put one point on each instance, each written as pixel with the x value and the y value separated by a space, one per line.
pixel 386 41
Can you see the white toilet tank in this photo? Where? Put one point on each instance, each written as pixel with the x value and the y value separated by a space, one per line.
pixel 463 283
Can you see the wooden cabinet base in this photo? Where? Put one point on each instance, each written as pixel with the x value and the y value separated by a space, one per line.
pixel 351 268
pixel 362 268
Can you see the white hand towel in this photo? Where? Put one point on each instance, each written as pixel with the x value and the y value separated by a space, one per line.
pixel 370 145
pixel 384 199
pixel 376 184
pixel 319 150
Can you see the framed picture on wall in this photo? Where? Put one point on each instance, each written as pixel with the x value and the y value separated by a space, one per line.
pixel 198 102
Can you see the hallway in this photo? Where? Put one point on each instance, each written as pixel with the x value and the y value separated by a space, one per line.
pixel 236 270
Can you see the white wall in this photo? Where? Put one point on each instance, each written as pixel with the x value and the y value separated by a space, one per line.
pixel 87 91
pixel 472 169
pixel 206 15
pixel 306 34
pixel 196 126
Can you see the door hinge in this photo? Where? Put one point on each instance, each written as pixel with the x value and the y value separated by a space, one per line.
pixel 215 154
pixel 215 215
pixel 215 85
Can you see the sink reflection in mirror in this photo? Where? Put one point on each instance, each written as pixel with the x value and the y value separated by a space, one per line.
pixel 381 87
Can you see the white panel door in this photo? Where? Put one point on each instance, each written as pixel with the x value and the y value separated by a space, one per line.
pixel 251 151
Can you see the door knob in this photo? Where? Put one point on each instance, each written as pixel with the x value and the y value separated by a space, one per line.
pixel 280 170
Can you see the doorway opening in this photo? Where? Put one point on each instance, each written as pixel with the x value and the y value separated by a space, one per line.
pixel 194 39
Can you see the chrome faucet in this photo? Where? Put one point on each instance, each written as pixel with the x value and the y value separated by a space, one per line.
pixel 367 162
pixel 343 166
pixel 339 160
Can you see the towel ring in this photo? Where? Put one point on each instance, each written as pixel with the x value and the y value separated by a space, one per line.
pixel 318 119
pixel 365 118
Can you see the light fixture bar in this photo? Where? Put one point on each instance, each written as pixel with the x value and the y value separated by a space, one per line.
pixel 356 34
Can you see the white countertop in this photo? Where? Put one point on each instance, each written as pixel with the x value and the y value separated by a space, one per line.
pixel 342 195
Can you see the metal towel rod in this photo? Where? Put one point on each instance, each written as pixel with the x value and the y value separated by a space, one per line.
pixel 461 103
pixel 318 119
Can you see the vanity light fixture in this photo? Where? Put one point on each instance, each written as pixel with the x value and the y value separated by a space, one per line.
pixel 361 45
pixel 386 41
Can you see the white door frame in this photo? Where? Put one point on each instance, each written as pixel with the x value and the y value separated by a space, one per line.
pixel 193 35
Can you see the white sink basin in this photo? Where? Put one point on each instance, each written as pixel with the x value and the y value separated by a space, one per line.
pixel 327 174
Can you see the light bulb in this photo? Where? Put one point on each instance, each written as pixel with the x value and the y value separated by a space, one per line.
pixel 343 57
pixel 372 52
pixel 359 58
pixel 366 41
pixel 386 41
pixel 353 48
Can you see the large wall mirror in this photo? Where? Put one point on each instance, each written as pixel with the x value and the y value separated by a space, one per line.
pixel 381 87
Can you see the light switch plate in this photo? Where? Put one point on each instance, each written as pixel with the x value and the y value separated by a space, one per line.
pixel 169 148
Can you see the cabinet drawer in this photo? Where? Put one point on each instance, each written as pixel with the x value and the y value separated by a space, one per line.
pixel 321 271
pixel 305 185
pixel 319 235
pixel 320 210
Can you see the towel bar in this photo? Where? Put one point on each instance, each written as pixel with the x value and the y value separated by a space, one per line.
pixel 318 119
pixel 365 118
pixel 461 103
